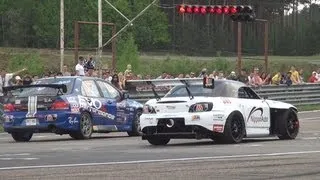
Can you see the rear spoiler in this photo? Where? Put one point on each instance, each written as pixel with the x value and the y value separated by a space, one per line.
pixel 206 82
pixel 55 86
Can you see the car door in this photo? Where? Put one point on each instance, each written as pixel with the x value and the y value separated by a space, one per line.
pixel 255 109
pixel 91 100
pixel 115 104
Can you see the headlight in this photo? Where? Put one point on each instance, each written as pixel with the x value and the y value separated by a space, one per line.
pixel 147 109
pixel 201 107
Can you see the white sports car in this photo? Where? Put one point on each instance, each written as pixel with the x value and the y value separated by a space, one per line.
pixel 223 110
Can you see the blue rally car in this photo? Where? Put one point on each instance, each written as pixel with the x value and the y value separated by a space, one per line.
pixel 73 105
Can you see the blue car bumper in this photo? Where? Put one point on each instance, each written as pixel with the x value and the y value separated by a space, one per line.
pixel 55 122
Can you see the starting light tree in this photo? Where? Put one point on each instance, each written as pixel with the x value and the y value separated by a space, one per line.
pixel 238 13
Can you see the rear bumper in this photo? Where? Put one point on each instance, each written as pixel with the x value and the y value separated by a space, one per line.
pixel 65 122
pixel 182 132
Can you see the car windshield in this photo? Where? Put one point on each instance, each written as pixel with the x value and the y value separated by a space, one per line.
pixel 221 89
pixel 30 91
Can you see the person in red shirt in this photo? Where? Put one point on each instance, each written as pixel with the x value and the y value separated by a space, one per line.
pixel 313 78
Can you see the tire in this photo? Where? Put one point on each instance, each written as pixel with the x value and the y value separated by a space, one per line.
pixel 21 136
pixel 158 141
pixel 288 125
pixel 234 130
pixel 85 127
pixel 136 128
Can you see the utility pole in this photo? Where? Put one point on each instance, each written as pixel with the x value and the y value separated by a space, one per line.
pixel 61 34
pixel 100 32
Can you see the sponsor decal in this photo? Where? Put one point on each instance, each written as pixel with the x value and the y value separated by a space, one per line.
pixel 218 116
pixel 121 104
pixel 226 101
pixel 195 117
pixel 171 107
pixel 95 106
pixel 73 120
pixel 254 117
pixel 218 128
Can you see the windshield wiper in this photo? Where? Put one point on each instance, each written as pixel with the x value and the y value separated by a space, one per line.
pixel 154 91
pixel 187 88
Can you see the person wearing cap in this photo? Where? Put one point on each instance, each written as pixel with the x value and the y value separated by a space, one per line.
pixel 232 76
pixel 313 78
pixel 18 81
pixel 79 67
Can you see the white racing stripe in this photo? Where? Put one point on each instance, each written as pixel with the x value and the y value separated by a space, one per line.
pixel 163 160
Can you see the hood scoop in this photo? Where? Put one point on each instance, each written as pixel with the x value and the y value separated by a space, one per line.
pixel 164 102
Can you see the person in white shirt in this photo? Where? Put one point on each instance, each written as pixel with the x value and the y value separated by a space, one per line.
pixel 79 67
pixel 6 77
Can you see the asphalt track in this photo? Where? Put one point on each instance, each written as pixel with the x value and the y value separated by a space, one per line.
pixel 116 156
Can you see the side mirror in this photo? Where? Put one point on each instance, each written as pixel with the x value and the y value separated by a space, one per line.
pixel 208 83
pixel 125 95
pixel 265 97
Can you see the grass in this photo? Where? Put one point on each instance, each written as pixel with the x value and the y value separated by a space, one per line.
pixel 155 63
pixel 309 107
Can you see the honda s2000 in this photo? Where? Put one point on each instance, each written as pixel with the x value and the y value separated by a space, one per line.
pixel 223 110
pixel 77 106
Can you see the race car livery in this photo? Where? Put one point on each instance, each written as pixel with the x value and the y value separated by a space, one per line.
pixel 224 110
pixel 73 105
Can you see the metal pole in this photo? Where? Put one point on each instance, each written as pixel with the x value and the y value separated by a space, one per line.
pixel 114 48
pixel 239 47
pixel 100 31
pixel 76 41
pixel 118 11
pixel 61 34
pixel 266 37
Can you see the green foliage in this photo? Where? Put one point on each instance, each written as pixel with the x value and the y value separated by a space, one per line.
pixel 128 54
pixel 32 62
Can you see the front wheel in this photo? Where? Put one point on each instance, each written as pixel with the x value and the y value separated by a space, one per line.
pixel 288 125
pixel 21 136
pixel 136 128
pixel 158 141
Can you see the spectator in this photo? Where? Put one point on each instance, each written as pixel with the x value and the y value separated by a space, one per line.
pixel 276 79
pixel 295 77
pixel 243 77
pixel 128 70
pixel 287 79
pixel 18 81
pixel 301 76
pixel 65 71
pixel 27 80
pixel 79 67
pixel 192 75
pixel 59 74
pixel 6 77
pixel 232 76
pixel 313 78
pixel 256 80
pixel 163 76
pixel 106 76
pixel 203 73
pixel 116 81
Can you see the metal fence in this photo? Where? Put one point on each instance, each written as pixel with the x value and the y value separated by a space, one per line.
pixel 302 94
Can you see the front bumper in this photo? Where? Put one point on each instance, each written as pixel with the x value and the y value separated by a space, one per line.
pixel 63 123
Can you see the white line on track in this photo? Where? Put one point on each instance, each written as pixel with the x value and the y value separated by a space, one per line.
pixel 20 154
pixel 162 160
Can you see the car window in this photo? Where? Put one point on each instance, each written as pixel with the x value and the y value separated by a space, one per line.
pixel 108 90
pixel 104 89
pixel 247 93
pixel 89 88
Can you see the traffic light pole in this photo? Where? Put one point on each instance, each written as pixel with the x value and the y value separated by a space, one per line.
pixel 239 47
pixel 266 42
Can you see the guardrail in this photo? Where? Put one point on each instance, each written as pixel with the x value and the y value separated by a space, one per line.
pixel 302 94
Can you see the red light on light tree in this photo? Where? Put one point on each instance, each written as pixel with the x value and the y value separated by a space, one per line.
pixel 203 10
pixel 218 10
pixel 233 10
pixel 211 10
pixel 189 9
pixel 196 9
pixel 182 9
pixel 225 10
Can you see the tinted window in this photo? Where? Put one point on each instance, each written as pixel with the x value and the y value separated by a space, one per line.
pixel 45 90
pixel 223 89
pixel 89 89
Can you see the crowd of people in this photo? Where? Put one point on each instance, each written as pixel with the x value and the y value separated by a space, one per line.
pixel 86 67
